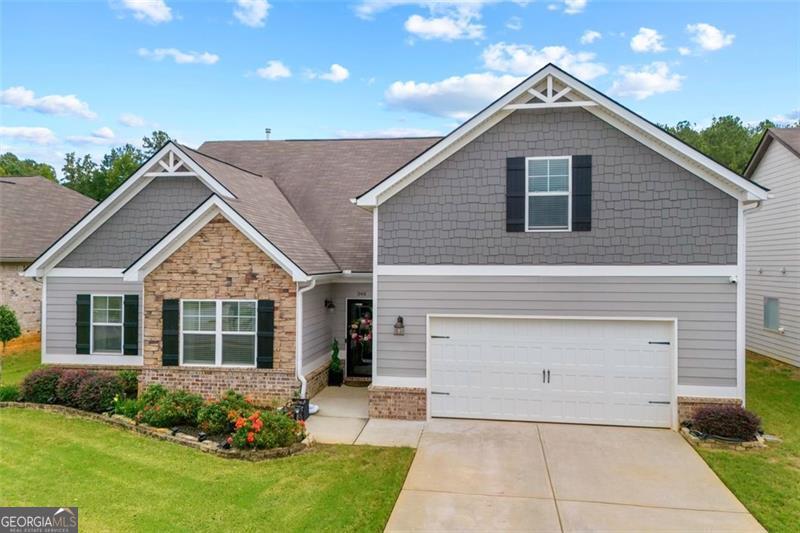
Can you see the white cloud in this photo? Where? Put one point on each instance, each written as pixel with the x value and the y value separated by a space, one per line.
pixel 525 60
pixel 792 117
pixel 445 28
pixel 457 97
pixel 251 12
pixel 651 79
pixel 102 136
pixel 204 58
pixel 274 70
pixel 53 104
pixel 387 133
pixel 104 133
pixel 131 120
pixel 514 23
pixel 573 7
pixel 709 37
pixel 684 51
pixel 337 73
pixel 30 134
pixel 590 36
pixel 447 20
pixel 647 40
pixel 154 11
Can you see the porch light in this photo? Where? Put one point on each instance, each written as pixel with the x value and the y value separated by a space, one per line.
pixel 329 305
pixel 399 327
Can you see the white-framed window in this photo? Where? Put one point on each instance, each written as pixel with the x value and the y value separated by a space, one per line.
pixel 107 316
pixel 548 205
pixel 772 316
pixel 218 333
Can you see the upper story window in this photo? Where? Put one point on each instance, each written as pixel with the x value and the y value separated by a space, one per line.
pixel 218 332
pixel 107 324
pixel 549 198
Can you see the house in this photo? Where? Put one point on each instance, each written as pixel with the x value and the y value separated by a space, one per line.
pixel 34 211
pixel 556 257
pixel 773 248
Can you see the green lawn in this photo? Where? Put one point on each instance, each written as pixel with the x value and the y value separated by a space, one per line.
pixel 768 482
pixel 19 363
pixel 123 482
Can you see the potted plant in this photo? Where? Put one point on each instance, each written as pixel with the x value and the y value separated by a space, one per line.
pixel 335 371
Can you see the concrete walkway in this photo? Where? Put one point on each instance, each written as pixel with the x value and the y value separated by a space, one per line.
pixel 343 418
pixel 489 476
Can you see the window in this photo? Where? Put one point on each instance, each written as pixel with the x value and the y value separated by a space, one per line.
pixel 218 332
pixel 772 313
pixel 107 324
pixel 548 194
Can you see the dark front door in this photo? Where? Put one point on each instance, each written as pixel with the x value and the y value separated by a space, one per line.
pixel 359 338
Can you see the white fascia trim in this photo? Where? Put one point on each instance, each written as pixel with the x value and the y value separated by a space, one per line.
pixel 87 359
pixel 699 391
pixel 85 272
pixel 392 381
pixel 741 308
pixel 558 270
pixel 343 277
pixel 191 225
pixel 105 209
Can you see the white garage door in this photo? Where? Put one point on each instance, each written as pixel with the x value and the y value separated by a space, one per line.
pixel 553 370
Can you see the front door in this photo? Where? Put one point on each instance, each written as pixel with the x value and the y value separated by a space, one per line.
pixel 359 338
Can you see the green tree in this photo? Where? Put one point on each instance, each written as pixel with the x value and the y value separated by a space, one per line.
pixel 153 143
pixel 11 165
pixel 9 327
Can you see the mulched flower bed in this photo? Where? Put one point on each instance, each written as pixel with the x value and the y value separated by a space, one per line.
pixel 186 436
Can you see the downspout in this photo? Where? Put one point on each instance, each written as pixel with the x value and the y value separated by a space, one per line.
pixel 298 363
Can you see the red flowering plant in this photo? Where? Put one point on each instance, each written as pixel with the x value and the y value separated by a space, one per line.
pixel 265 430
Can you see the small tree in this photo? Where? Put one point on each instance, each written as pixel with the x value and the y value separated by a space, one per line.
pixel 9 327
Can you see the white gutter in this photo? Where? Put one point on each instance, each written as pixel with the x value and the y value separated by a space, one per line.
pixel 298 362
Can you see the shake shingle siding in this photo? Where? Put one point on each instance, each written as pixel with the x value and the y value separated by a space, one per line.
pixel 645 209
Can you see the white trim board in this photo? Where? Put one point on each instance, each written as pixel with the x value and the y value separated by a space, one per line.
pixel 700 391
pixel 85 273
pixel 86 359
pixel 559 270
pixel 607 109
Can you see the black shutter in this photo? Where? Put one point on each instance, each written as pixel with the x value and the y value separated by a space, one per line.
pixel 130 327
pixel 170 313
pixel 266 333
pixel 83 323
pixel 515 194
pixel 581 193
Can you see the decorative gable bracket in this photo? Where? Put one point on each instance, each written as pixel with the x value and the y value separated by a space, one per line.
pixel 550 99
pixel 171 164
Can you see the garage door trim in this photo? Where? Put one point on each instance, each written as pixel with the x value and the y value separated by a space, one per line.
pixel 671 320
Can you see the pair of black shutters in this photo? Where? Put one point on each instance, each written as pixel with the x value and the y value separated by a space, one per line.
pixel 170 338
pixel 265 333
pixel 130 324
pixel 517 187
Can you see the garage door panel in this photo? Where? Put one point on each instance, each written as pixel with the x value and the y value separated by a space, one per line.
pixel 600 371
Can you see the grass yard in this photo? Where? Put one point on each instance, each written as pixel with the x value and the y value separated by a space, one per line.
pixel 768 482
pixel 125 482
pixel 18 362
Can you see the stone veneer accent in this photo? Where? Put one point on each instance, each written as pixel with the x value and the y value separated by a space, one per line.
pixel 688 404
pixel 400 403
pixel 220 262
pixel 317 380
pixel 23 295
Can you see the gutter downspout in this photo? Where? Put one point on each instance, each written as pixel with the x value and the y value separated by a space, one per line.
pixel 298 363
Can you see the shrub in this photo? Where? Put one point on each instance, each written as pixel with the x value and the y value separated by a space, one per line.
pixel 162 408
pixel 130 382
pixel 40 385
pixel 729 421
pixel 9 393
pixel 96 392
pixel 266 430
pixel 9 326
pixel 67 386
pixel 153 393
pixel 129 407
pixel 215 417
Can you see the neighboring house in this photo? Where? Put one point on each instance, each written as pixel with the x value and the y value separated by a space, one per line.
pixel 556 257
pixel 34 211
pixel 773 248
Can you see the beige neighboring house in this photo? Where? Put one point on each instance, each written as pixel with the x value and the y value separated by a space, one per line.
pixel 773 249
pixel 34 212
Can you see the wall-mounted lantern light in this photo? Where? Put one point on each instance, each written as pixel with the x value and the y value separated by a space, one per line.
pixel 399 327
pixel 329 305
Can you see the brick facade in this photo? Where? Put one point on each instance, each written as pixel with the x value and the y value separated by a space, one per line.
pixel 23 295
pixel 220 262
pixel 688 404
pixel 400 403
pixel 317 380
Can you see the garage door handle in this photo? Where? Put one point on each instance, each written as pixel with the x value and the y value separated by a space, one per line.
pixel 666 343
pixel 440 336
pixel 439 392
pixel 659 402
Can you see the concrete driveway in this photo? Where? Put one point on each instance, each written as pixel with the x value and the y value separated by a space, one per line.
pixel 485 475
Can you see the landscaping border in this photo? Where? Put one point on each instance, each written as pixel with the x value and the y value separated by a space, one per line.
pixel 164 434
pixel 711 442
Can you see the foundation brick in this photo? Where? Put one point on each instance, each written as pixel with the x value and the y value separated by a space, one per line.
pixel 317 380
pixel 401 403
pixel 688 404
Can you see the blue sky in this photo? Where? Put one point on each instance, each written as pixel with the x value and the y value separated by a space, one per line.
pixel 83 76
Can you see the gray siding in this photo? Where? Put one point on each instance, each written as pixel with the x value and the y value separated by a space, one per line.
pixel 705 309
pixel 773 243
pixel 139 224
pixel 645 209
pixel 60 309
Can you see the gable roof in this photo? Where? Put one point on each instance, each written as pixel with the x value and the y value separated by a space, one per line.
pixel 556 88
pixel 788 137
pixel 34 211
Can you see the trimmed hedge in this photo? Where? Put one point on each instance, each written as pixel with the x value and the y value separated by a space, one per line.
pixel 67 386
pixel 40 385
pixel 728 421
pixel 96 392
pixel 163 408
